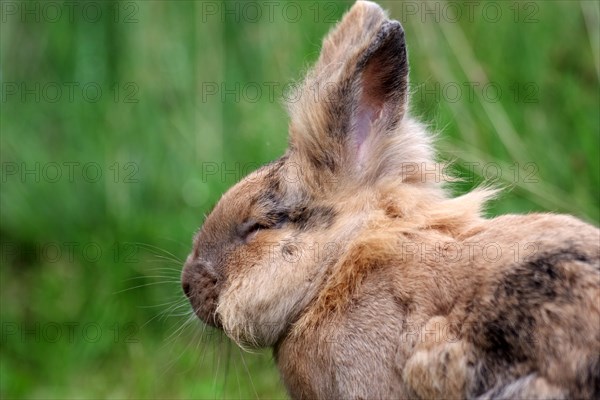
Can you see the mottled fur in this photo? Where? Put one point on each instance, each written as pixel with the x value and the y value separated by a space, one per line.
pixel 350 260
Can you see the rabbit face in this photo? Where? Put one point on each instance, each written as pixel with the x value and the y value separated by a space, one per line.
pixel 251 270
pixel 264 251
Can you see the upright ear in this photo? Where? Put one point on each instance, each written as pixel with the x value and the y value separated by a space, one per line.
pixel 356 92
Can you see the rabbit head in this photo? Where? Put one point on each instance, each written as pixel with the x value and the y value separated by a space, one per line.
pixel 266 249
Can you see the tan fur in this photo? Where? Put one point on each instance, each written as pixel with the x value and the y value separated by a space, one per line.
pixel 368 279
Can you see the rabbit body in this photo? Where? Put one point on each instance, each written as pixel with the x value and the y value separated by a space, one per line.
pixel 521 326
pixel 350 260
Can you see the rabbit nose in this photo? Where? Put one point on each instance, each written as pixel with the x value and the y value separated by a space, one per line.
pixel 185 281
pixel 196 274
pixel 186 288
pixel 187 276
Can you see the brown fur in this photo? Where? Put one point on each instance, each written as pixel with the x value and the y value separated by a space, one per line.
pixel 367 279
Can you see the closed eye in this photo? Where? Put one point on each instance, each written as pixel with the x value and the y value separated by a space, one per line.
pixel 256 227
pixel 273 220
pixel 249 228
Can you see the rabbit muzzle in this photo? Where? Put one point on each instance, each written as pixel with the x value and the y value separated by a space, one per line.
pixel 202 287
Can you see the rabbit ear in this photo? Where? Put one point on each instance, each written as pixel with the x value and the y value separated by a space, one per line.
pixel 362 20
pixel 357 90
pixel 383 82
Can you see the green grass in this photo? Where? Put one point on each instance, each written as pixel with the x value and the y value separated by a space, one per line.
pixel 154 153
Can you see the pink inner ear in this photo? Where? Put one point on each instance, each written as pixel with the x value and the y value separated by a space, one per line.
pixel 370 106
pixel 362 124
pixel 374 79
pixel 365 116
pixel 382 78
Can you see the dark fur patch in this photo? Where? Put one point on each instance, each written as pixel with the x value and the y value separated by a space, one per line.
pixel 280 212
pixel 589 379
pixel 322 160
pixel 307 218
pixel 339 102
pixel 505 336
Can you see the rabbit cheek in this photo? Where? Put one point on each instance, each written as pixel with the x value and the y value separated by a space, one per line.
pixel 262 299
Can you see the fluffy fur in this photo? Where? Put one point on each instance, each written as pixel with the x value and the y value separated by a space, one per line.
pixel 347 256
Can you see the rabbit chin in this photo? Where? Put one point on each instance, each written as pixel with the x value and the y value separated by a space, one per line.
pixel 255 318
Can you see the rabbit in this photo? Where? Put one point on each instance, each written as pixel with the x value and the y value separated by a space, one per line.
pixel 348 257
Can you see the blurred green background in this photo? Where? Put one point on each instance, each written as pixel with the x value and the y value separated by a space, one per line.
pixel 123 122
